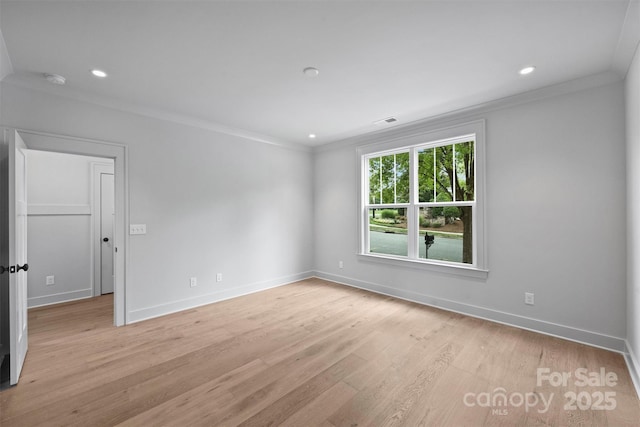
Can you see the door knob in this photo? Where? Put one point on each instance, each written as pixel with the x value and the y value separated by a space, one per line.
pixel 106 239
pixel 3 269
pixel 24 267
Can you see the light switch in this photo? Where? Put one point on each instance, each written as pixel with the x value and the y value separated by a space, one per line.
pixel 137 228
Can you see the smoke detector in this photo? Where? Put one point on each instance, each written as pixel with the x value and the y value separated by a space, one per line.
pixel 311 72
pixel 56 79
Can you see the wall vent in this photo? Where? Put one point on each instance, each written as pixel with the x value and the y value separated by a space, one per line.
pixel 386 121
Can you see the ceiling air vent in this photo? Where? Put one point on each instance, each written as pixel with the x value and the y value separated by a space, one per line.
pixel 386 121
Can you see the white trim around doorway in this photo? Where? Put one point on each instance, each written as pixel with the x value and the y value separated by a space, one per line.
pixel 119 152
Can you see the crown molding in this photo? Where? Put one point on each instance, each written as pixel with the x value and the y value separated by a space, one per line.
pixel 466 113
pixel 473 112
pixel 150 112
pixel 628 40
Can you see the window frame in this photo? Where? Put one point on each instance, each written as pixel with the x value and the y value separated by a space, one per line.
pixel 412 143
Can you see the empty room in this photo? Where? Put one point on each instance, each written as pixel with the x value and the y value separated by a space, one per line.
pixel 320 213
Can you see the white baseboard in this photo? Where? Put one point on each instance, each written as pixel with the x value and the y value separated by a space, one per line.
pixel 58 298
pixel 189 303
pixel 548 328
pixel 633 363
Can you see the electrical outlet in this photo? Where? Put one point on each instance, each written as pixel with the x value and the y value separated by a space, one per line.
pixel 219 277
pixel 51 280
pixel 194 282
pixel 528 298
pixel 340 264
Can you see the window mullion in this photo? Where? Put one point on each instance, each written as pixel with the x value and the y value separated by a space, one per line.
pixel 395 179
pixel 412 219
pixel 435 182
pixel 455 172
pixel 380 174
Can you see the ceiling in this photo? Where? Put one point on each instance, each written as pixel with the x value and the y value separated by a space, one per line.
pixel 238 66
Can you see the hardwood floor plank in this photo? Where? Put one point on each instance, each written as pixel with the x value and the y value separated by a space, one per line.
pixel 283 408
pixel 444 405
pixel 316 411
pixel 188 403
pixel 387 393
pixel 269 386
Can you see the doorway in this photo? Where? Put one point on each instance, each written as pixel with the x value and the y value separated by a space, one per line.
pixel 105 150
pixel 19 143
pixel 71 208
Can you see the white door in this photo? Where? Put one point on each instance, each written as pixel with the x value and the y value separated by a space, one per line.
pixel 18 340
pixel 107 211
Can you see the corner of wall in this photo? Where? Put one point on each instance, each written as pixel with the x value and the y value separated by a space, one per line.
pixel 632 101
pixel 634 367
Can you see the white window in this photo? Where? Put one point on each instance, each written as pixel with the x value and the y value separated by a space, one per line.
pixel 423 200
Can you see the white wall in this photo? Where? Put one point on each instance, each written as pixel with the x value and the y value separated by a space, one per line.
pixel 555 220
pixel 632 92
pixel 5 62
pixel 212 202
pixel 59 226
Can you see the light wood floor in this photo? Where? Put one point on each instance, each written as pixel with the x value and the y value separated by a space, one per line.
pixel 305 354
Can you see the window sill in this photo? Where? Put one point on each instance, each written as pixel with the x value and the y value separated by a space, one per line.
pixel 457 270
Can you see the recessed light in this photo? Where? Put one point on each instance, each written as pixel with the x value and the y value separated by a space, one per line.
pixel 312 136
pixel 56 79
pixel 98 73
pixel 311 72
pixel 527 70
